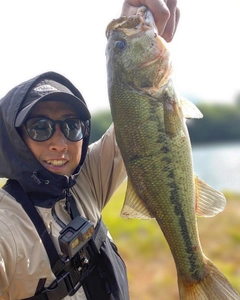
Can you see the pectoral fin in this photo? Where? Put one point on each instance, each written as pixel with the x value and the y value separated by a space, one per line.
pixel 133 207
pixel 209 202
pixel 190 110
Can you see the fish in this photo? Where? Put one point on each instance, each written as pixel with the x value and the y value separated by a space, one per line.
pixel 151 132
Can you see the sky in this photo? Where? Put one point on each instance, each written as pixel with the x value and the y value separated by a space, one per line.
pixel 68 37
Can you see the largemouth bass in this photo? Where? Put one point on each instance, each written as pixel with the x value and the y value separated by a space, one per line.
pixel 152 135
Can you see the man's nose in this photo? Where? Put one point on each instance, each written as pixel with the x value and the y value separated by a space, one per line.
pixel 58 141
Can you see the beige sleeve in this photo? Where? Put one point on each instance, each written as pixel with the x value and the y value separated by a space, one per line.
pixel 103 170
pixel 8 254
pixel 23 259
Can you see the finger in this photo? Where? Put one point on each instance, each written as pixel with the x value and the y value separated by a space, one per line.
pixel 172 22
pixel 177 19
pixel 161 13
pixel 128 10
pixel 158 8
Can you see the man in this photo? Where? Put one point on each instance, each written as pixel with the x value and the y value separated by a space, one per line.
pixel 53 173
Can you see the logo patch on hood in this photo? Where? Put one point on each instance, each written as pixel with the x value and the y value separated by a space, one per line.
pixel 45 89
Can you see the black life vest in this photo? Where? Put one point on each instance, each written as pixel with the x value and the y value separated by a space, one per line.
pixel 105 277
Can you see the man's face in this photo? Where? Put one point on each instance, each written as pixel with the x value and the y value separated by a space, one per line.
pixel 58 154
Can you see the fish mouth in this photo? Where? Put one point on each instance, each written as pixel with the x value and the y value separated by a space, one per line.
pixel 143 20
pixel 135 24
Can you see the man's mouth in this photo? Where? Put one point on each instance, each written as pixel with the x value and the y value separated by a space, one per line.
pixel 56 163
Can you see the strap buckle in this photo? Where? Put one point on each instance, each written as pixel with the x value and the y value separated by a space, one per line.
pixel 63 285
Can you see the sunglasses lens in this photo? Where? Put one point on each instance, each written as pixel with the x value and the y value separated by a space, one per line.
pixel 73 129
pixel 39 129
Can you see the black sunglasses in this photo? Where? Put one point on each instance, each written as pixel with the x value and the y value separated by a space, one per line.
pixel 41 129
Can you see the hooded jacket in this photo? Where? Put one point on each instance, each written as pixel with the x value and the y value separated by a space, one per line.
pixel 17 160
pixel 23 259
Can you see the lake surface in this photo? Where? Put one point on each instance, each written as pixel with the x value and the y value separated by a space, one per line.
pixel 218 165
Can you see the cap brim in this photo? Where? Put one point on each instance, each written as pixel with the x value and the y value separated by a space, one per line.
pixel 76 102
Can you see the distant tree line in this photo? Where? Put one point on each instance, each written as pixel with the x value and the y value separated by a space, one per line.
pixel 220 123
pixel 99 124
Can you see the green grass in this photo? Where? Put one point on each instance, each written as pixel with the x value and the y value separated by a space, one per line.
pixel 151 270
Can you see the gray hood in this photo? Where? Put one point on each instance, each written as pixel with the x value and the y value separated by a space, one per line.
pixel 17 162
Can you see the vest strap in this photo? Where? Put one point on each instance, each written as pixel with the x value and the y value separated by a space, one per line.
pixel 68 281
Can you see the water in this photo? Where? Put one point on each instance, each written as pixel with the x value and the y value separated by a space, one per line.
pixel 218 165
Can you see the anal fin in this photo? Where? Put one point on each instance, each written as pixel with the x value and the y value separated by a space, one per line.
pixel 209 202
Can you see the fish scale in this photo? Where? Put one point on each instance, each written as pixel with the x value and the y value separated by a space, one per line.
pixel 151 133
pixel 143 159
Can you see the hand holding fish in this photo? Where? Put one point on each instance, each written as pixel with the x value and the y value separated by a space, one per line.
pixel 166 14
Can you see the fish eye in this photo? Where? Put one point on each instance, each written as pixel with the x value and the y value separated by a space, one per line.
pixel 120 45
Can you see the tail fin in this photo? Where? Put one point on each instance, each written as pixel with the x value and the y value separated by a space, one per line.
pixel 214 286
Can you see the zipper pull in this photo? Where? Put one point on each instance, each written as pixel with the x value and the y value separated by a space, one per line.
pixel 35 178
